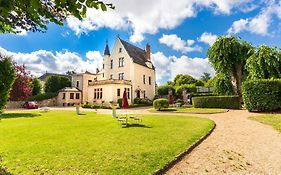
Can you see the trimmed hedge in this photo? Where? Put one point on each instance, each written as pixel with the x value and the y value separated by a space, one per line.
pixel 200 95
pixel 45 96
pixel 160 103
pixel 262 94
pixel 224 102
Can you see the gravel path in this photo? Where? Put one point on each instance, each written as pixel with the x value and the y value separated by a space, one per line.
pixel 238 145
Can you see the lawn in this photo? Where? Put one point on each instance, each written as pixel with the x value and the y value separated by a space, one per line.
pixel 270 119
pixel 60 142
pixel 191 110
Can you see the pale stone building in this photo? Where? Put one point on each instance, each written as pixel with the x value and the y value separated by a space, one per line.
pixel 126 67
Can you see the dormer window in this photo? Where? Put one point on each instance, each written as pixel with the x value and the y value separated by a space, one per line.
pixel 120 50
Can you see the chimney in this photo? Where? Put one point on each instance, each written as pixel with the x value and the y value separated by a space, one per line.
pixel 147 52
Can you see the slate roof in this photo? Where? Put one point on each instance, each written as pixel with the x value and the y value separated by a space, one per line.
pixel 45 75
pixel 137 54
pixel 106 50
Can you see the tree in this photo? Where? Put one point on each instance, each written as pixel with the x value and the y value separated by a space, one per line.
pixel 222 84
pixel 264 63
pixel 205 77
pixel 34 15
pixel 228 56
pixel 36 86
pixel 7 78
pixel 55 83
pixel 21 89
pixel 181 79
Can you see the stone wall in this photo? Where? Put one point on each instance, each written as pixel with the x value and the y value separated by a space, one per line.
pixel 19 104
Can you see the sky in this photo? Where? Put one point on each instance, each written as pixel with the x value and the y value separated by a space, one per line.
pixel 179 32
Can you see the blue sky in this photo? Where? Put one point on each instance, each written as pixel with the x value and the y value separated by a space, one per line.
pixel 179 34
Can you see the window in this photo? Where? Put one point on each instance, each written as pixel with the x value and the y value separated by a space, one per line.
pixel 121 76
pixel 143 94
pixel 71 95
pixel 98 93
pixel 120 50
pixel 89 81
pixel 63 96
pixel 102 66
pixel 143 79
pixel 111 64
pixel 77 96
pixel 111 76
pixel 128 93
pixel 102 74
pixel 149 80
pixel 121 62
pixel 77 83
pixel 118 92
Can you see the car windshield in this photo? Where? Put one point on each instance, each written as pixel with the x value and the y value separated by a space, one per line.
pixel 31 103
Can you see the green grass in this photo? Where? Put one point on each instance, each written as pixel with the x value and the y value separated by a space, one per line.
pixel 270 119
pixel 60 142
pixel 191 110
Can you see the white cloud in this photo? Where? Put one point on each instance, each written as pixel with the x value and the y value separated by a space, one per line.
pixel 40 61
pixel 259 24
pixel 208 38
pixel 147 17
pixel 168 67
pixel 178 44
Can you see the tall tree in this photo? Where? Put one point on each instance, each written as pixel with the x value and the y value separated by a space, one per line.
pixel 55 83
pixel 264 63
pixel 21 89
pixel 205 77
pixel 182 79
pixel 36 86
pixel 34 15
pixel 228 56
pixel 7 78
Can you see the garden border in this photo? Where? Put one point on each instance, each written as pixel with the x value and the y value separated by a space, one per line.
pixel 180 156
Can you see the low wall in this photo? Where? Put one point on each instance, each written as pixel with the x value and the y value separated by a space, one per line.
pixel 19 104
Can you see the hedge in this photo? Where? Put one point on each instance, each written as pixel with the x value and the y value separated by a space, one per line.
pixel 200 95
pixel 160 103
pixel 262 95
pixel 224 102
pixel 40 97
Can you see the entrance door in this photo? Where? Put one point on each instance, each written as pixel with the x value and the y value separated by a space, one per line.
pixel 138 93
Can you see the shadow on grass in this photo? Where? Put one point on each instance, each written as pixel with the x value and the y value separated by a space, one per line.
pixel 3 171
pixel 168 109
pixel 18 115
pixel 135 125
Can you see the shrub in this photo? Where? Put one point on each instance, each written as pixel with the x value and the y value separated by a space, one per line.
pixel 55 82
pixel 142 101
pixel 262 95
pixel 200 95
pixel 137 100
pixel 180 102
pixel 44 96
pixel 164 90
pixel 189 88
pixel 224 102
pixel 160 104
pixel 119 101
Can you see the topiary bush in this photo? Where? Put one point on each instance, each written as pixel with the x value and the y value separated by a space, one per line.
pixel 262 94
pixel 224 102
pixel 160 103
pixel 119 101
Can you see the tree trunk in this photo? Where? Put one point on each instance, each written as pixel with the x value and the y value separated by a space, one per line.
pixel 237 80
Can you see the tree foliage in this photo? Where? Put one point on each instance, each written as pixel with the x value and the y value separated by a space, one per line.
pixel 222 85
pixel 21 89
pixel 36 86
pixel 182 79
pixel 55 83
pixel 7 78
pixel 264 63
pixel 228 56
pixel 205 77
pixel 34 15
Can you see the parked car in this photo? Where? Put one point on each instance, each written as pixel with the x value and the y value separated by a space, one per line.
pixel 30 105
